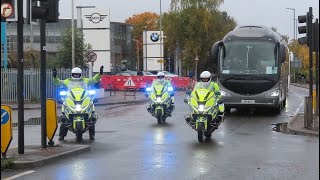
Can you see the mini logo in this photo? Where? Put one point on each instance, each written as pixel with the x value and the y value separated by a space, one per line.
pixel 95 17
pixel 154 37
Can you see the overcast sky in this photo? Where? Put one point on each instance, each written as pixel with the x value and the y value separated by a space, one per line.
pixel 257 12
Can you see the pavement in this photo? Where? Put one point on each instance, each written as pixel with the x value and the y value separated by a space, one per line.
pixel 296 124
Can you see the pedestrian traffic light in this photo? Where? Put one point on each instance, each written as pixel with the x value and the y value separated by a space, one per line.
pixel 48 10
pixel 305 29
pixel 9 10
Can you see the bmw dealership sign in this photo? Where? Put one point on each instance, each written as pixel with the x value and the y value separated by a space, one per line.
pixel 152 51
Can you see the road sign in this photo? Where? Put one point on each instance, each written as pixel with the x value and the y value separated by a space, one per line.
pixel 92 57
pixel 51 120
pixel 6 128
pixel 129 82
pixel 6 10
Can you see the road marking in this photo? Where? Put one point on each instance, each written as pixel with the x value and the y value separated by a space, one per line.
pixel 19 175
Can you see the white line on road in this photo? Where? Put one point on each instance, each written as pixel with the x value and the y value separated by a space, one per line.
pixel 19 175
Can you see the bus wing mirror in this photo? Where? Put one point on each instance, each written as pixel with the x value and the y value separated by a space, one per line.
pixel 215 50
pixel 282 53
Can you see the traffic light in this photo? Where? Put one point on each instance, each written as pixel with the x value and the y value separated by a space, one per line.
pixel 9 11
pixel 48 10
pixel 306 29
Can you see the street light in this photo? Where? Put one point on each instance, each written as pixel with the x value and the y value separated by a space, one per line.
pixel 294 21
pixel 161 68
pixel 294 37
pixel 80 26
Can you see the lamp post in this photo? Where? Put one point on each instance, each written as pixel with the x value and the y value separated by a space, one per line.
pixel 294 21
pixel 80 26
pixel 161 68
pixel 196 71
pixel 294 37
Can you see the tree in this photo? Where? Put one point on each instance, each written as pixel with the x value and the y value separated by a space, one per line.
pixel 193 26
pixel 64 55
pixel 31 58
pixel 141 22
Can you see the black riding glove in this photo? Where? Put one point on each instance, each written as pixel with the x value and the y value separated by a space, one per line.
pixel 54 72
pixel 101 70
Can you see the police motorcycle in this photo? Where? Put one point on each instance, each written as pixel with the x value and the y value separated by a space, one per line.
pixel 78 113
pixel 160 105
pixel 207 112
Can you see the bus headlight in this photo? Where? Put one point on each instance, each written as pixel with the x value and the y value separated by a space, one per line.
pixel 274 93
pixel 224 93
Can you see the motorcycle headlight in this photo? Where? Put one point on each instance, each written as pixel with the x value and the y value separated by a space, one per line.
pixel 78 107
pixel 63 93
pixel 224 93
pixel 148 89
pixel 201 108
pixel 170 89
pixel 274 93
pixel 92 92
pixel 158 99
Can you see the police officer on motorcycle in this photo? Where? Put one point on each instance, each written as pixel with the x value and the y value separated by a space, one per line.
pixel 167 83
pixel 75 80
pixel 206 83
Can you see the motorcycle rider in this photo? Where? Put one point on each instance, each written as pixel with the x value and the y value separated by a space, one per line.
pixel 206 83
pixel 162 81
pixel 75 80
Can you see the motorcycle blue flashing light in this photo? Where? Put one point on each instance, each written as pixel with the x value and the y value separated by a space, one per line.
pixel 63 93
pixel 148 89
pixel 170 88
pixel 92 92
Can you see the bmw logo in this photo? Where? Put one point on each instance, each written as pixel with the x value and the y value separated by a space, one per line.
pixel 154 37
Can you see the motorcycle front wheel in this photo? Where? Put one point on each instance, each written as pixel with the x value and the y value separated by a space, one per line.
pixel 79 132
pixel 200 132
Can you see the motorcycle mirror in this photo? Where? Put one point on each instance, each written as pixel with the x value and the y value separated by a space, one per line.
pixel 95 100
pixel 188 92
pixel 185 100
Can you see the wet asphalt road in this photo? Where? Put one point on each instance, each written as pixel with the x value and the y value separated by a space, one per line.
pixel 131 145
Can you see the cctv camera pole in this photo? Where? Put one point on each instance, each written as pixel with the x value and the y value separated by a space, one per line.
pixel 43 81
pixel 20 79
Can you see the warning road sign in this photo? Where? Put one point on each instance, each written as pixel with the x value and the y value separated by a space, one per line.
pixel 129 82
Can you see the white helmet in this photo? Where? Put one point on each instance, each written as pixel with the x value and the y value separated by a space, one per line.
pixel 76 73
pixel 160 76
pixel 205 77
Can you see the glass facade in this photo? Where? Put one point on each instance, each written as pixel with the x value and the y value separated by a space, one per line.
pixel 122 47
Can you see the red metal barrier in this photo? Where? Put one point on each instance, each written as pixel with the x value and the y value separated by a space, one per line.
pixel 140 82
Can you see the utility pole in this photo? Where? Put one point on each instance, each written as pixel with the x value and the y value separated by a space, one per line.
pixel 20 86
pixel 72 34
